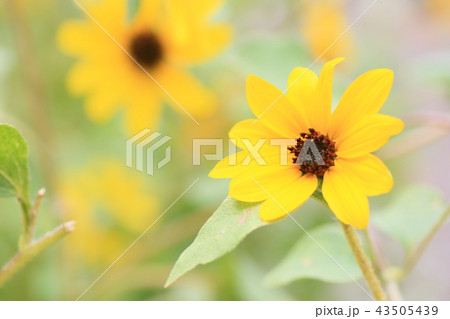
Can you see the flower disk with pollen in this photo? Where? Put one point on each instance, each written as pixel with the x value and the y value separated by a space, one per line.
pixel 326 148
pixel 146 48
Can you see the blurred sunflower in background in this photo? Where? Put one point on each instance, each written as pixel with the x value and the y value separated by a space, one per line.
pixel 323 24
pixel 439 9
pixel 141 64
pixel 111 206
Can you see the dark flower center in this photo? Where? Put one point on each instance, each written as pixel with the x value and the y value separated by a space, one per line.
pixel 146 49
pixel 314 152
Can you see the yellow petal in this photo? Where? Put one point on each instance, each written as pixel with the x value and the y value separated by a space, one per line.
pixel 287 199
pixel 321 112
pixel 301 88
pixel 371 133
pixel 210 42
pixel 230 167
pixel 142 113
pixel 274 108
pixel 206 7
pixel 111 15
pixel 72 37
pixel 268 179
pixel 148 15
pixel 77 36
pixel 323 23
pixel 251 131
pixel 80 78
pixel 205 44
pixel 196 9
pixel 187 94
pixel 364 96
pixel 190 35
pixel 241 162
pixel 346 198
pixel 370 171
pixel 102 104
pixel 86 39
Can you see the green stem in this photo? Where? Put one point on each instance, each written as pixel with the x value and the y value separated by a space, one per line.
pixel 26 236
pixel 33 213
pixel 29 252
pixel 372 252
pixel 414 258
pixel 364 263
pixel 382 270
pixel 360 256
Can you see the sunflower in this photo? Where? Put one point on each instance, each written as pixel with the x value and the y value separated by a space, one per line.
pixel 346 174
pixel 324 21
pixel 111 206
pixel 141 64
pixel 439 9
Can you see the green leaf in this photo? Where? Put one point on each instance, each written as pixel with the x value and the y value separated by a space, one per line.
pixel 272 57
pixel 13 164
pixel 309 259
pixel 221 233
pixel 132 9
pixel 411 216
pixel 248 279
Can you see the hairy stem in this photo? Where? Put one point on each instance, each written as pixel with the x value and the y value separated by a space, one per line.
pixel 29 252
pixel 373 254
pixel 364 263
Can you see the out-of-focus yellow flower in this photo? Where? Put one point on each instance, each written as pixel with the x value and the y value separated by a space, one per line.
pixel 164 38
pixel 343 139
pixel 111 206
pixel 440 9
pixel 323 22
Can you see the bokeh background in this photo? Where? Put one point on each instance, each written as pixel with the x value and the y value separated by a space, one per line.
pixel 82 163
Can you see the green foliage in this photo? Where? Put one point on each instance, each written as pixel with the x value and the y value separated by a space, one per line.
pixel 411 216
pixel 272 57
pixel 248 277
pixel 132 8
pixel 309 259
pixel 223 231
pixel 13 164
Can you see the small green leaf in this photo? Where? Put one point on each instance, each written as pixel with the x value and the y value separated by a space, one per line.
pixel 309 259
pixel 13 164
pixel 132 9
pixel 411 216
pixel 221 233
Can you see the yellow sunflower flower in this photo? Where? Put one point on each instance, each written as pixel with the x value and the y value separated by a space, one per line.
pixel 324 23
pixel 344 138
pixel 164 38
pixel 111 206
pixel 439 9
